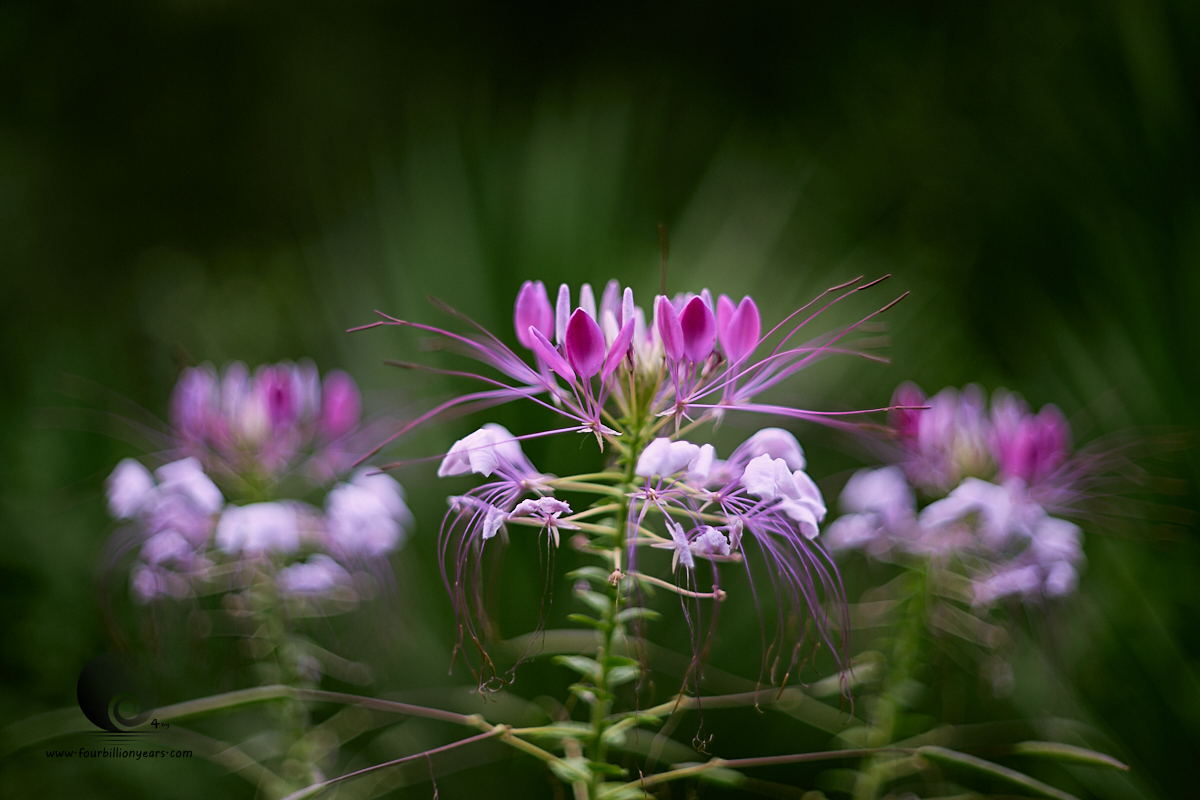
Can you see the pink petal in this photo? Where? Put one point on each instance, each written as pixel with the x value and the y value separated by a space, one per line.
pixel 585 344
pixel 611 300
pixel 725 311
pixel 699 330
pixel 669 329
pixel 341 405
pixel 906 422
pixel 546 351
pixel 619 349
pixel 587 300
pixel 532 309
pixel 745 328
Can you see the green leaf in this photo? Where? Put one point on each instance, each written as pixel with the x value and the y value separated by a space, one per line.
pixel 622 791
pixel 588 667
pixel 604 768
pixel 602 604
pixel 638 612
pixel 1054 751
pixel 621 661
pixel 571 770
pixel 964 764
pixel 560 730
pixel 621 675
pixel 584 619
pixel 590 573
pixel 588 694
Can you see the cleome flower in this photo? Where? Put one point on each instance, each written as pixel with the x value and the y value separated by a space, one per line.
pixel 244 444
pixel 638 383
pixel 999 481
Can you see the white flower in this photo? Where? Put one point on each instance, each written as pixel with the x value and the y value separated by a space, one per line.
pixel 770 479
pixel 318 575
pixel 774 442
pixel 1061 579
pixel 186 478
pixel 482 452
pixel 259 527
pixel 493 517
pixel 679 542
pixel 130 488
pixel 364 517
pixel 1056 540
pixel 388 491
pixel 664 457
pixel 1023 580
pixel 166 546
pixel 149 583
pixel 547 510
pixel 1002 511
pixel 882 491
pixel 541 507
pixel 710 542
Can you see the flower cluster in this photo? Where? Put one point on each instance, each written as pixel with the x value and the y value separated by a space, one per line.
pixel 249 434
pixel 257 428
pixel 995 478
pixel 638 384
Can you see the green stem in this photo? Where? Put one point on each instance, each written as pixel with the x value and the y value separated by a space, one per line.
pixel 905 658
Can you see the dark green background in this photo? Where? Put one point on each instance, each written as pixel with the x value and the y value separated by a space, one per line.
pixel 200 180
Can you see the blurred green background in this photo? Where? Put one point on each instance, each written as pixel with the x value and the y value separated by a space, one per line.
pixel 206 180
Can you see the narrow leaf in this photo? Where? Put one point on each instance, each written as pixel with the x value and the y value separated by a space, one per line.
pixel 965 764
pixel 1066 753
pixel 583 665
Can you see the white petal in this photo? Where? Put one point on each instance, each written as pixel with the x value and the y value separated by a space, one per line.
pixel 130 488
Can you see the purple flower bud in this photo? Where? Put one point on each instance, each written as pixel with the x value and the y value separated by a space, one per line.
pixel 740 328
pixel 548 353
pixel 669 329
pixel 274 384
pixel 611 301
pixel 618 351
pixel 906 422
pixel 628 308
pixel 341 405
pixel 587 300
pixel 1039 447
pixel 195 402
pixel 699 330
pixel 585 344
pixel 130 488
pixel 532 310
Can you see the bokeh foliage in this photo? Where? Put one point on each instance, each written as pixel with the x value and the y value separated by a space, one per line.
pixel 191 180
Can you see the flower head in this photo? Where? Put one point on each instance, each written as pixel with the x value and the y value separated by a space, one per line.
pixel 994 478
pixel 632 381
pixel 255 435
